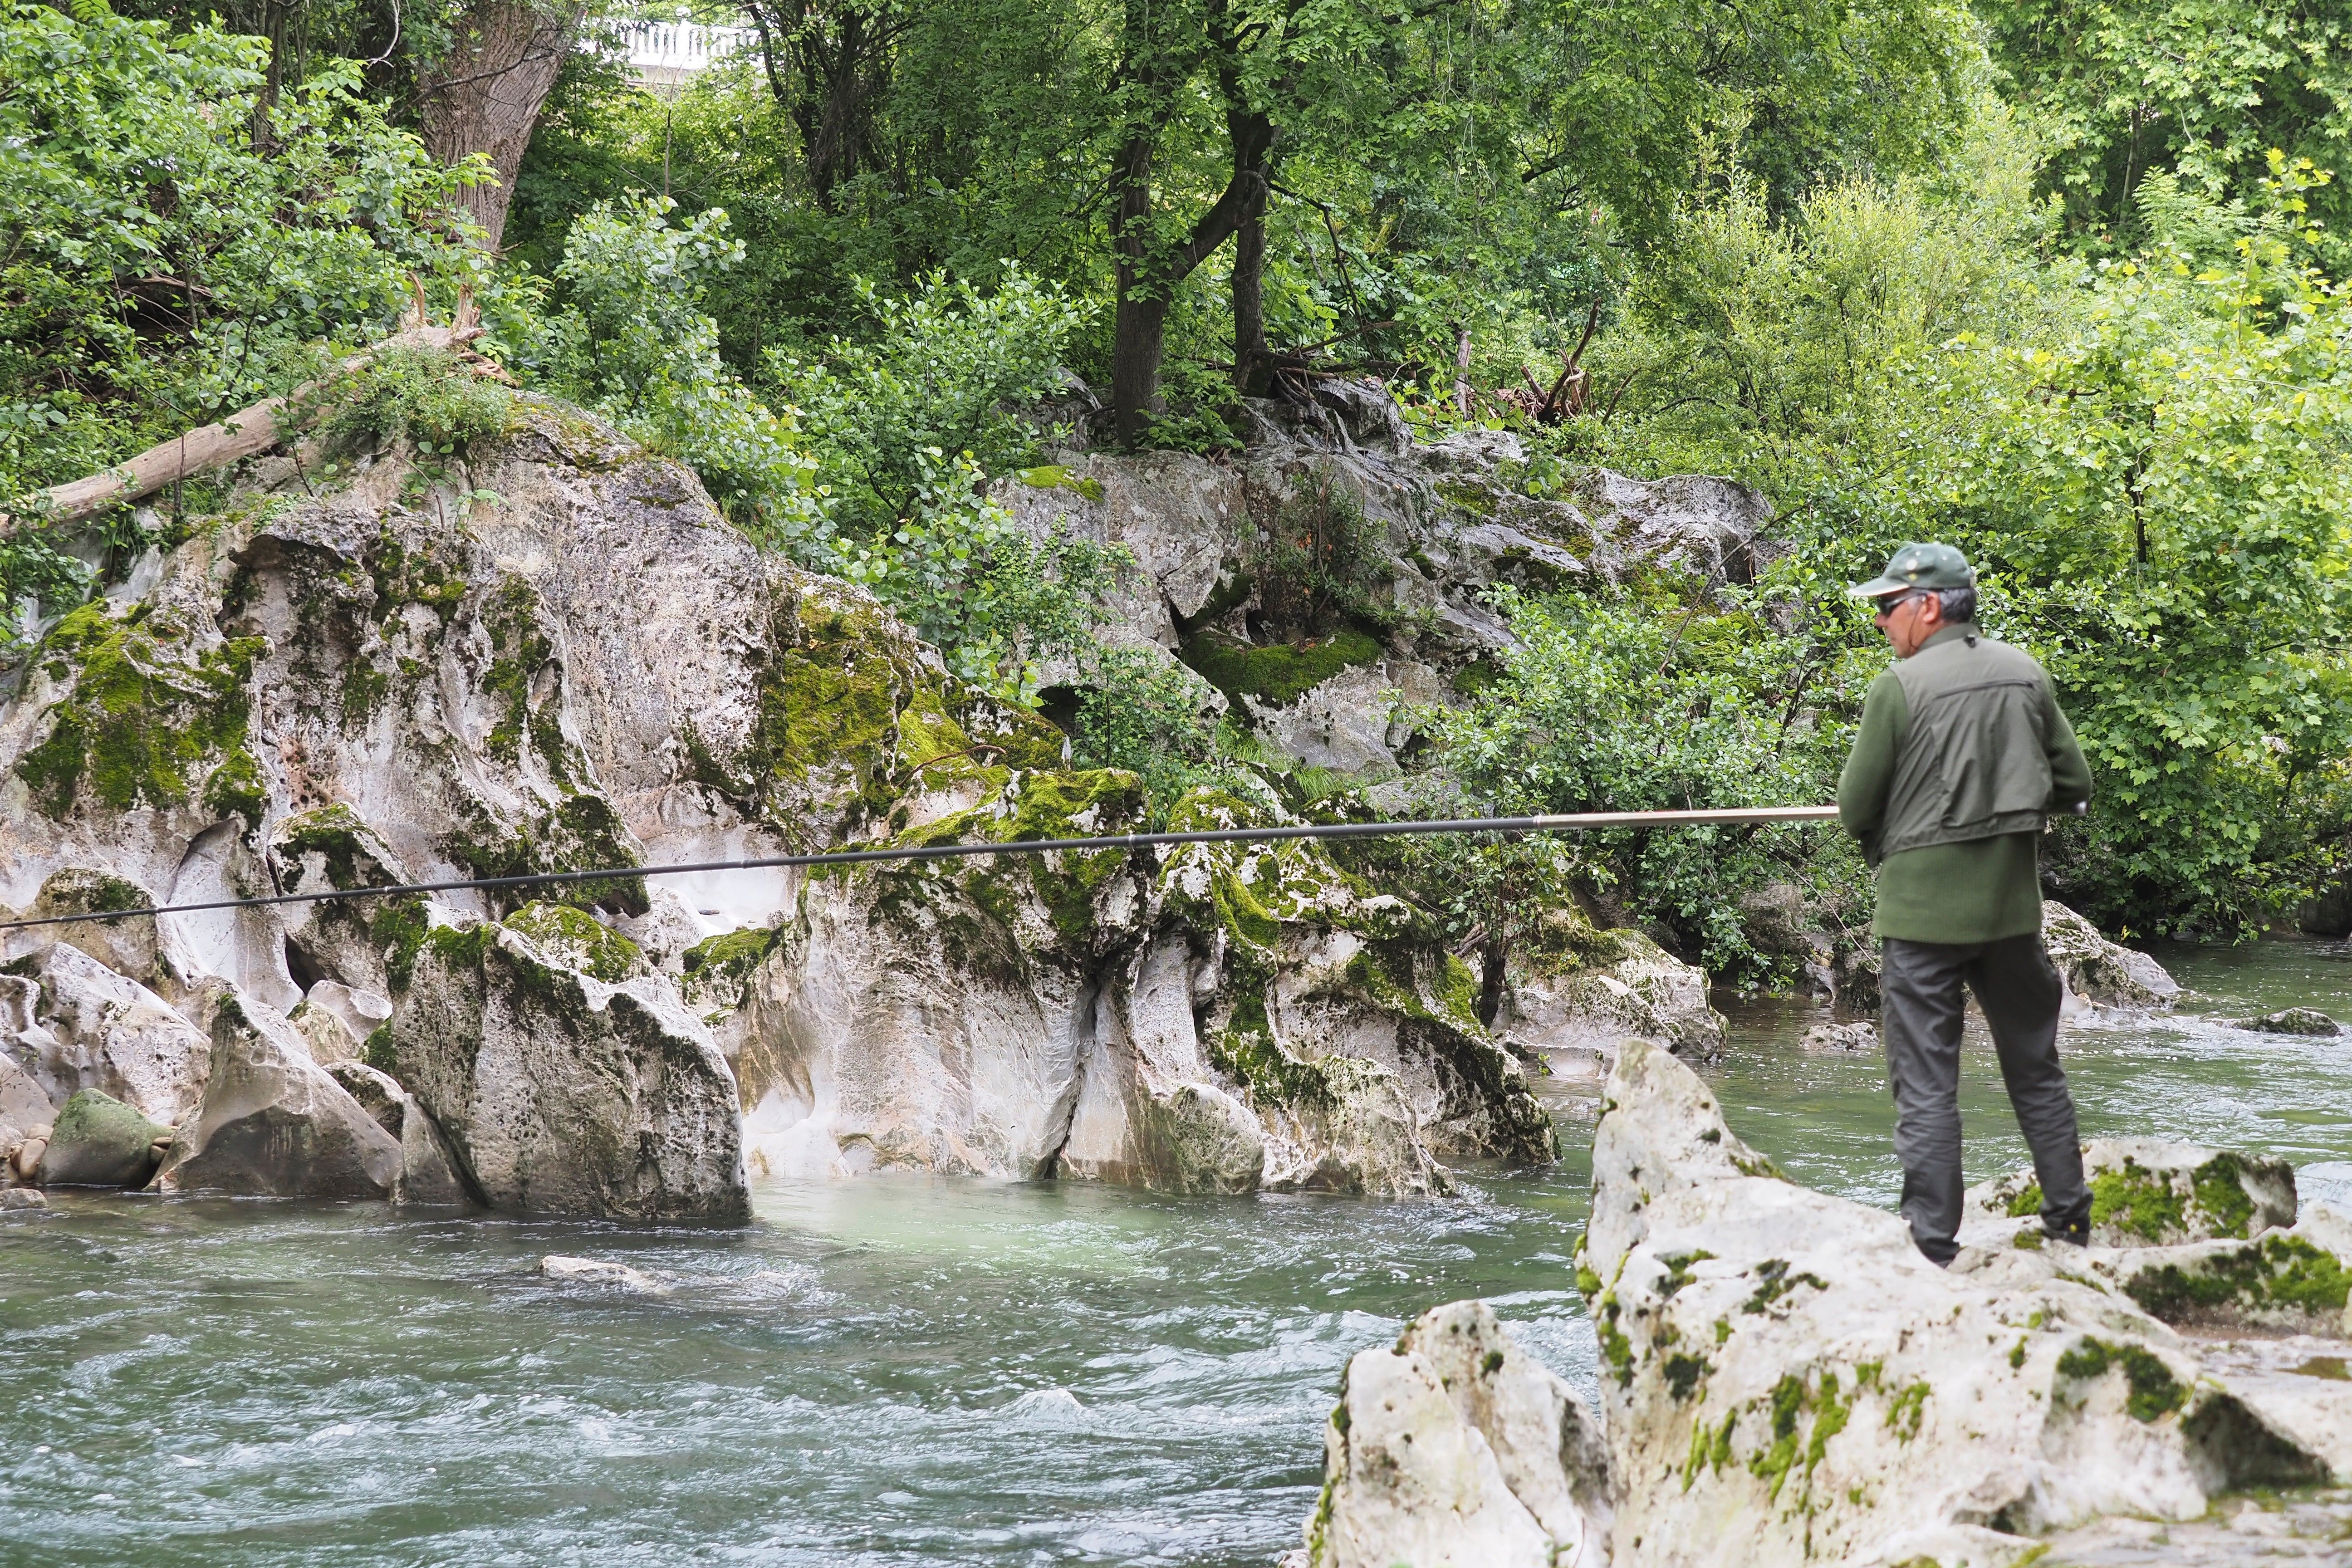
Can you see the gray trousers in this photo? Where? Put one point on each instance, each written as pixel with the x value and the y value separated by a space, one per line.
pixel 1920 1018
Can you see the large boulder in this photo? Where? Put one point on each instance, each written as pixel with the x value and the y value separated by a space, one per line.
pixel 1235 1019
pixel 2100 973
pixel 1453 1448
pixel 273 1123
pixel 98 1142
pixel 428 1174
pixel 1785 1379
pixel 560 1092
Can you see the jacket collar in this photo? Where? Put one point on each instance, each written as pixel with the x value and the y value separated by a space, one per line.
pixel 1952 633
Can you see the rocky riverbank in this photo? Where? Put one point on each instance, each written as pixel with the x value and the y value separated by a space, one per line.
pixel 1784 1378
pixel 556 654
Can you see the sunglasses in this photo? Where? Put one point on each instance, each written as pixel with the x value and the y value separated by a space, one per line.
pixel 1894 601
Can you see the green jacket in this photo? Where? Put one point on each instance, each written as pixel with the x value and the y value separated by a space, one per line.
pixel 1962 753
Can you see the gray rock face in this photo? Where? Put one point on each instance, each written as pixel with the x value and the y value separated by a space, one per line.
pixel 1453 1449
pixel 273 1123
pixel 74 1025
pixel 428 1176
pixel 1236 1019
pixel 1574 1007
pixel 98 1142
pixel 2100 973
pixel 562 1093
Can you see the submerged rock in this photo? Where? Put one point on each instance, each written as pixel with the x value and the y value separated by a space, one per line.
pixel 21 1199
pixel 596 1271
pixel 2295 1021
pixel 2098 972
pixel 1840 1039
pixel 98 1142
pixel 1454 1450
pixel 274 1123
pixel 562 1093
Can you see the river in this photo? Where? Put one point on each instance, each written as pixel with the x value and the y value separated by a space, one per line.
pixel 897 1370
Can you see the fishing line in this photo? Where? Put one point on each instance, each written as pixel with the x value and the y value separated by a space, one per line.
pixel 1574 822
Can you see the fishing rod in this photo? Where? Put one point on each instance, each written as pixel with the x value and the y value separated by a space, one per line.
pixel 1572 822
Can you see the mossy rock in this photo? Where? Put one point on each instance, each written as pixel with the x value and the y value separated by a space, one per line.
pixel 715 969
pixel 98 1142
pixel 2274 1281
pixel 1279 673
pixel 575 938
pixel 347 852
pixel 2147 1192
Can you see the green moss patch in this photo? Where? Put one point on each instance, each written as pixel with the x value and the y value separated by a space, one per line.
pixel 146 710
pixel 2279 1275
pixel 341 840
pixel 2154 1392
pixel 1280 673
pixel 579 940
pixel 1053 477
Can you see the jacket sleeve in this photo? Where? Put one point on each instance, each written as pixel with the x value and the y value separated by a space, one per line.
pixel 2069 775
pixel 1870 768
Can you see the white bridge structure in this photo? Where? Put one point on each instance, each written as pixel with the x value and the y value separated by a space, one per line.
pixel 667 54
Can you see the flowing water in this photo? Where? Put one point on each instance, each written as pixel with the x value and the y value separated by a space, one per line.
pixel 896 1369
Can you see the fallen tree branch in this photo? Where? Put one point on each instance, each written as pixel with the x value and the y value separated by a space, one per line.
pixel 246 432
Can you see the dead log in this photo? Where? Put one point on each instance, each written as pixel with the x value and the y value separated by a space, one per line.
pixel 243 433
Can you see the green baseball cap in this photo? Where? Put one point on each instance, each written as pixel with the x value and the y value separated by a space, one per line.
pixel 1919 566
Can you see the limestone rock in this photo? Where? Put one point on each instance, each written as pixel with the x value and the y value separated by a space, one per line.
pixel 98 1142
pixel 428 1176
pixel 1240 1017
pixel 1786 1380
pixel 73 1024
pixel 1839 1039
pixel 2308 1021
pixel 1573 1001
pixel 273 1123
pixel 562 1093
pixel 1453 1449
pixel 2098 972
pixel 18 1200
pixel 1711 525
pixel 2148 1193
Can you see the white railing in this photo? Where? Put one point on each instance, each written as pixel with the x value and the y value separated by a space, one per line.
pixel 680 48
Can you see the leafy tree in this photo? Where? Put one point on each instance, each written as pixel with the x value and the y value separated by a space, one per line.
pixel 2198 90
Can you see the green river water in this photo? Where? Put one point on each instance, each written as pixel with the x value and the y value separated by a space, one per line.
pixel 896 1369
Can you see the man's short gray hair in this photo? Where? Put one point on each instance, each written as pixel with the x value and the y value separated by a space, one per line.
pixel 1959 604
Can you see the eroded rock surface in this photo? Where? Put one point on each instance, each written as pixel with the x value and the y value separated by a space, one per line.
pixel 2100 973
pixel 1574 998
pixel 1785 1380
pixel 1453 1449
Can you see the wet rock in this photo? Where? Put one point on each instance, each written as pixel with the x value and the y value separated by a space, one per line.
pixel 1452 1446
pixel 596 1271
pixel 428 1174
pixel 1840 1039
pixel 98 1142
pixel 2098 972
pixel 2148 1193
pixel 21 1199
pixel 2295 1021
pixel 563 1093
pixel 273 1123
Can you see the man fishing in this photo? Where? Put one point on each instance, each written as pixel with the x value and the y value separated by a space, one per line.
pixel 1961 755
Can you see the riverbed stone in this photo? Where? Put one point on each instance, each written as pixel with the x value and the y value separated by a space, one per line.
pixel 20 1200
pixel 274 1123
pixel 562 1093
pixel 2146 1192
pixel 2309 1021
pixel 98 1142
pixel 1572 999
pixel 2100 973
pixel 598 1271
pixel 1839 1040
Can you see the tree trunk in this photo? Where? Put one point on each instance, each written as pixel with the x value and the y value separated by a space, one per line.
pixel 485 94
pixel 1461 370
pixel 1252 361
